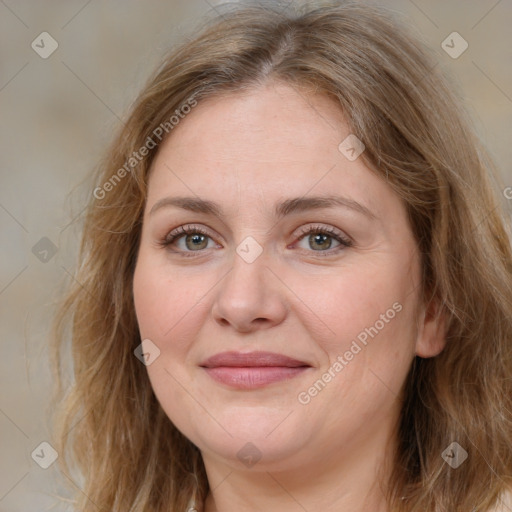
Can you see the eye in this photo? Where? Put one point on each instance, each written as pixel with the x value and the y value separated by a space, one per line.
pixel 187 239
pixel 191 239
pixel 320 239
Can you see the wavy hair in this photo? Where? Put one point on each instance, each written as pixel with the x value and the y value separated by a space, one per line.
pixel 109 425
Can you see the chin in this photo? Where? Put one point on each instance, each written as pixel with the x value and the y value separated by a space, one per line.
pixel 256 455
pixel 258 439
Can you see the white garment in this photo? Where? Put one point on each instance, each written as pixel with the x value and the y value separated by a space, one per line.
pixel 192 506
pixel 504 503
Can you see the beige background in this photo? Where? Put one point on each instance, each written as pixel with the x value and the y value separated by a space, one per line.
pixel 56 117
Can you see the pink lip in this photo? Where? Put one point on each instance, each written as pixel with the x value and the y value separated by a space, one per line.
pixel 253 369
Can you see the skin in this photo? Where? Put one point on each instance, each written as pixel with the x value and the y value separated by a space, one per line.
pixel 247 152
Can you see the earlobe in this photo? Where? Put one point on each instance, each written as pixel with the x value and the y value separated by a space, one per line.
pixel 432 327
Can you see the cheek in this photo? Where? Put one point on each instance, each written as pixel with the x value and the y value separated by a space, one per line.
pixel 370 343
pixel 370 346
pixel 164 302
pixel 167 309
pixel 354 301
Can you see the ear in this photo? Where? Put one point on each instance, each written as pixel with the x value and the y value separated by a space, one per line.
pixel 432 326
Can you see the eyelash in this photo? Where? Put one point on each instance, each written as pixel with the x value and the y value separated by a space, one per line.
pixel 179 232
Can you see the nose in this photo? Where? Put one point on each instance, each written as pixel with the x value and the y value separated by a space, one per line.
pixel 250 297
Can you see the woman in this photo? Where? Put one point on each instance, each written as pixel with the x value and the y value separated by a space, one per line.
pixel 295 283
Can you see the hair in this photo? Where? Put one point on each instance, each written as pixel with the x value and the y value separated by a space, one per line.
pixel 417 136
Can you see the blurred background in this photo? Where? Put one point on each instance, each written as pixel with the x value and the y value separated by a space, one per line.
pixel 68 73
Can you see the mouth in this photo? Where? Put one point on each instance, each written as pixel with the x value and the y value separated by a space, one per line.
pixel 253 369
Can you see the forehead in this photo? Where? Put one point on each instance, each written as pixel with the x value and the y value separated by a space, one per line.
pixel 271 142
pixel 264 123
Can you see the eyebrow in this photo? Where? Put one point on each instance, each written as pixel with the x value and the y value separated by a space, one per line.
pixel 287 207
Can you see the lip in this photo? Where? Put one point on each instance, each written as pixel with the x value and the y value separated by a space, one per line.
pixel 251 359
pixel 252 370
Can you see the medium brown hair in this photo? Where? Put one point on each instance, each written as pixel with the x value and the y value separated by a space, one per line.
pixel 110 424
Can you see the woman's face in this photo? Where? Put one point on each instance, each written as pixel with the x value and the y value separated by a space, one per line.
pixel 282 331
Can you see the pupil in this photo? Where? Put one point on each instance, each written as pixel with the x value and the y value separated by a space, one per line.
pixel 196 240
pixel 320 238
